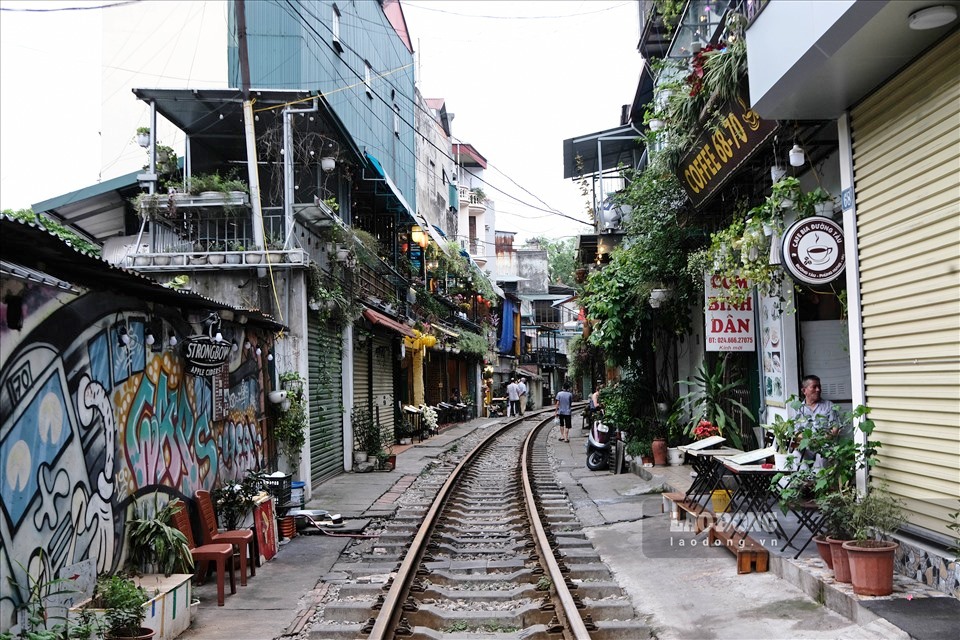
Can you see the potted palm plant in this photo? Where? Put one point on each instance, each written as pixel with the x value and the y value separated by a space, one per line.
pixel 710 390
pixel 154 545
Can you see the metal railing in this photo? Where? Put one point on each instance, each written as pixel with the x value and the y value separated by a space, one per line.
pixel 214 231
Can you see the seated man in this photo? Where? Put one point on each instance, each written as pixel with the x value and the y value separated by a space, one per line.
pixel 816 414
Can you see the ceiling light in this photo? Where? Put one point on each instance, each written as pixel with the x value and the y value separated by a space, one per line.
pixel 932 17
pixel 173 339
pixel 150 339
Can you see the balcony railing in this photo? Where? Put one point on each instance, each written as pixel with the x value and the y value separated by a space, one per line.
pixel 544 358
pixel 210 232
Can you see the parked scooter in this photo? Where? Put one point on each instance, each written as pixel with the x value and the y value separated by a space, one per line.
pixel 600 442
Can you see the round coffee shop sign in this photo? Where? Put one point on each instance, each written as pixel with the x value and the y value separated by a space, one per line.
pixel 813 250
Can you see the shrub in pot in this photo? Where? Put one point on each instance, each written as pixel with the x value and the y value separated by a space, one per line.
pixel 122 601
pixel 870 559
pixel 837 509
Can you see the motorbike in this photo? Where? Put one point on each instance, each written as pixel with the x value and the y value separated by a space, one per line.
pixel 601 443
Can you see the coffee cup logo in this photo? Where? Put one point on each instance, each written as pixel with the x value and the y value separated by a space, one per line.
pixel 817 253
pixel 813 250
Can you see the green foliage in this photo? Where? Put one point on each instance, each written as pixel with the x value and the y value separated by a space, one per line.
pixel 152 541
pixel 662 231
pixel 215 182
pixel 472 343
pixel 710 391
pixel 878 512
pixel 291 424
pixel 693 94
pixel 123 601
pixel 33 598
pixel 67 235
pixel 234 500
pixel 627 404
pixel 366 433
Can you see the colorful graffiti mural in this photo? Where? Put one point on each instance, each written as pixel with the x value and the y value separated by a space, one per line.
pixel 90 421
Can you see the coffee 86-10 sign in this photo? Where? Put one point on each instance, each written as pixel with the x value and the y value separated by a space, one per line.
pixel 730 327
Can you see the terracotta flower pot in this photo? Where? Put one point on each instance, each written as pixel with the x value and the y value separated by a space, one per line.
pixel 660 452
pixel 823 548
pixel 841 566
pixel 871 566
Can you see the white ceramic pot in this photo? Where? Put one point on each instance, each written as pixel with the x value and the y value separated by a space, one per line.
pixel 278 396
pixel 674 456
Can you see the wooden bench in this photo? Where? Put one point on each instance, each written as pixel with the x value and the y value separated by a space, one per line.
pixel 751 555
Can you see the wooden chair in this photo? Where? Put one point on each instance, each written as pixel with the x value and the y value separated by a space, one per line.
pixel 242 539
pixel 221 554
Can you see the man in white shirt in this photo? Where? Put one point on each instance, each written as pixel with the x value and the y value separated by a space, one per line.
pixel 513 398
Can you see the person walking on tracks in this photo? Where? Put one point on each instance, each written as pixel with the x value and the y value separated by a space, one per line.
pixel 513 398
pixel 522 392
pixel 564 411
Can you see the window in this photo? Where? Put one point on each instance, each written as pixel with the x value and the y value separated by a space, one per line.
pixel 366 78
pixel 335 28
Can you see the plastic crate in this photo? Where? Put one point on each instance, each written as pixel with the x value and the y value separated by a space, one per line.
pixel 279 487
pixel 720 500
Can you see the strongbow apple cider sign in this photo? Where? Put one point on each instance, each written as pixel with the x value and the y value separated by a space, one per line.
pixel 730 327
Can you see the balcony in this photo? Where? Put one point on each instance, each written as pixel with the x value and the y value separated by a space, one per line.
pixel 545 358
pixel 184 231
pixel 475 200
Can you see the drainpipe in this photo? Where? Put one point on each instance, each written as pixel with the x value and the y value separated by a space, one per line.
pixel 288 178
pixel 858 386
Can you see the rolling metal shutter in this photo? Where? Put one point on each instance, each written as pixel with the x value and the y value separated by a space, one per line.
pixel 326 400
pixel 361 373
pixel 906 149
pixel 383 377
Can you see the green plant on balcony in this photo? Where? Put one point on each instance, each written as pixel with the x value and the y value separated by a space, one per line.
pixel 472 343
pixel 692 95
pixel 332 204
pixel 214 182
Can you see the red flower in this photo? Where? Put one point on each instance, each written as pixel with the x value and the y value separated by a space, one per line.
pixel 705 429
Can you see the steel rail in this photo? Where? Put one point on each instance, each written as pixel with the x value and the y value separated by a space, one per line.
pixel 391 609
pixel 568 607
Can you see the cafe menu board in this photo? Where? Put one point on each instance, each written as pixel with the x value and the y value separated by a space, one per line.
pixel 771 349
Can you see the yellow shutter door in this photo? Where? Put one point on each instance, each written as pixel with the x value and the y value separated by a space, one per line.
pixel 906 150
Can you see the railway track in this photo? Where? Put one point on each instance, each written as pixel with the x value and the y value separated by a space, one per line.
pixel 497 553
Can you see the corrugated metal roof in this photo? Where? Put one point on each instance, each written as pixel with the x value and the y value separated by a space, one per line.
pixel 34 247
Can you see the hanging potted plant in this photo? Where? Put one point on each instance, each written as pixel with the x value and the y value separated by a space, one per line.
pixel 871 559
pixel 143 136
pixel 786 192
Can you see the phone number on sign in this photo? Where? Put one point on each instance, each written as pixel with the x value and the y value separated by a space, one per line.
pixel 733 340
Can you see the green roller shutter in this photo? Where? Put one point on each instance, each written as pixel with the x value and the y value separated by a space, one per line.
pixel 326 400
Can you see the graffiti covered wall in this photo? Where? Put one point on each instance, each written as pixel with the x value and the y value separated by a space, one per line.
pixel 92 417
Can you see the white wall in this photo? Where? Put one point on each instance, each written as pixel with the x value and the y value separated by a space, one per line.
pixel 175 44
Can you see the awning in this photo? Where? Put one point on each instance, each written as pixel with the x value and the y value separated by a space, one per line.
pixel 444 330
pixel 622 145
pixel 375 317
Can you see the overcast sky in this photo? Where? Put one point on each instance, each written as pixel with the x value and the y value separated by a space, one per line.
pixel 520 77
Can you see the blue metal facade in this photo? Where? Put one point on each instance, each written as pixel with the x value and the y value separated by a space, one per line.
pixel 291 46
